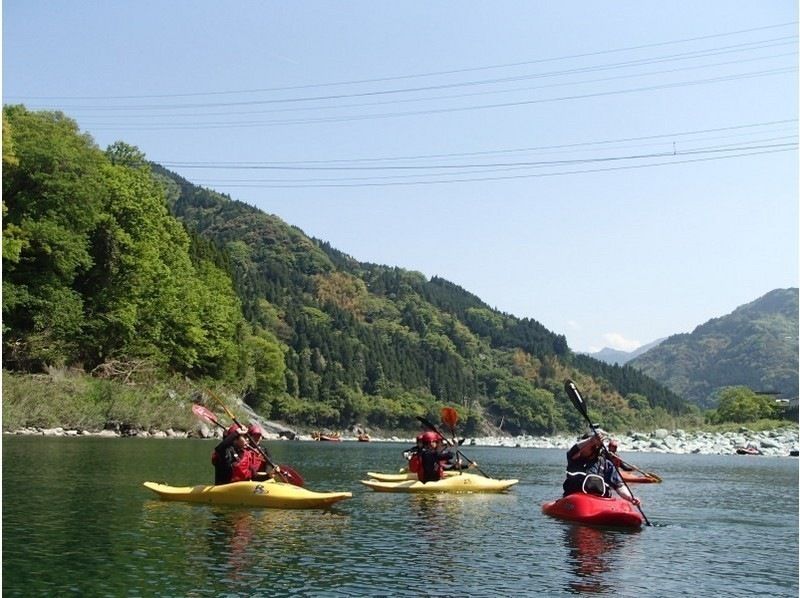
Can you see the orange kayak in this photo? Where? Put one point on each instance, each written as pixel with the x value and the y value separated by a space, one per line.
pixel 634 477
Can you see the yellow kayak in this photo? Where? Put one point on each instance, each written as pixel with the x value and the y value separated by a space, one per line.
pixel 465 482
pixel 269 494
pixel 400 477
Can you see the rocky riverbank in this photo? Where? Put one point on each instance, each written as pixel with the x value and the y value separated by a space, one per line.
pixel 768 443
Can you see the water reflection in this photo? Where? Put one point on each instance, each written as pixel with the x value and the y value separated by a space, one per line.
pixel 437 521
pixel 230 535
pixel 594 557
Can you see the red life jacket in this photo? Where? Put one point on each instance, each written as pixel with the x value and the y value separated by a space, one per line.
pixel 414 464
pixel 246 467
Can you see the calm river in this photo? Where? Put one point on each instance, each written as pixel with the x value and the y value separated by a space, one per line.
pixel 77 521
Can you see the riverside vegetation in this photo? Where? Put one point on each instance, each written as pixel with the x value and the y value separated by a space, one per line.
pixel 127 291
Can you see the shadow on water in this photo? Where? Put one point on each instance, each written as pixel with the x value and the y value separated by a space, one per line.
pixel 594 556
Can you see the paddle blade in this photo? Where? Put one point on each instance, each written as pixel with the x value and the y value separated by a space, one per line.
pixel 449 417
pixel 576 398
pixel 290 476
pixel 205 414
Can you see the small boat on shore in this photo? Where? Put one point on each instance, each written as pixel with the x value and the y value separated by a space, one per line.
pixel 326 437
pixel 363 437
pixel 747 450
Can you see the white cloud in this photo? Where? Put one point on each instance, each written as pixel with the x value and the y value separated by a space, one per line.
pixel 616 341
pixel 573 325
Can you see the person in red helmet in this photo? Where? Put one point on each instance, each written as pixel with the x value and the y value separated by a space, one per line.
pixel 228 453
pixel 257 462
pixel 412 455
pixel 432 456
pixel 235 459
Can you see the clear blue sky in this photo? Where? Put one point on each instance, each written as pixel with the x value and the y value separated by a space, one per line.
pixel 618 171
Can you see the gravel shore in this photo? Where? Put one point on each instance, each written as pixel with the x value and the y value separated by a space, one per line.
pixel 768 443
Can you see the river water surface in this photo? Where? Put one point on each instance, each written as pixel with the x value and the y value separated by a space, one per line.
pixel 77 521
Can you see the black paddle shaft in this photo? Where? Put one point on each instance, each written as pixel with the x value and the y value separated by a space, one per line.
pixel 575 396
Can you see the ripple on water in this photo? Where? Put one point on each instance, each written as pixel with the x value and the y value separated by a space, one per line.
pixel 722 526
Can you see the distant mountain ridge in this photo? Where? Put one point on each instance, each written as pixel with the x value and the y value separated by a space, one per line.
pixel 617 357
pixel 756 346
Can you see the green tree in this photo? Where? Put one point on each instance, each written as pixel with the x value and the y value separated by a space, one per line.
pixel 740 404
pixel 266 368
pixel 52 199
pixel 95 268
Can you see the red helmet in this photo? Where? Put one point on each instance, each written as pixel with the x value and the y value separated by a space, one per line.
pixel 254 430
pixel 420 437
pixel 232 430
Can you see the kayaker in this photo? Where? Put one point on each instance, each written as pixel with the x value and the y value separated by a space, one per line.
pixel 431 457
pixel 412 455
pixel 260 469
pixel 612 455
pixel 233 459
pixel 589 471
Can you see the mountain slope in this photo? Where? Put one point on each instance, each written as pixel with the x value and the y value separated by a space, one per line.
pixel 357 332
pixel 754 346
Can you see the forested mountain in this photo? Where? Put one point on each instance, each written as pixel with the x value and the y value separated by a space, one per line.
pixel 118 266
pixel 754 346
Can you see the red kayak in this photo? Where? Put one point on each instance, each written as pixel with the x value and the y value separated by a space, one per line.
pixel 594 510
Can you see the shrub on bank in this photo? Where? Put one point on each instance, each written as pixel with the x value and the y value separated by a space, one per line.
pixel 80 402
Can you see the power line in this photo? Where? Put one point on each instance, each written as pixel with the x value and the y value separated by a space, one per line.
pixel 462 166
pixel 451 96
pixel 786 40
pixel 528 149
pixel 420 75
pixel 719 154
pixel 452 109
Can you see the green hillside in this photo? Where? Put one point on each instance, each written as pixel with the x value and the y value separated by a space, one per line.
pixel 117 267
pixel 754 346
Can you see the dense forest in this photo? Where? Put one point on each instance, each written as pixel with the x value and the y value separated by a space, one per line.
pixel 123 270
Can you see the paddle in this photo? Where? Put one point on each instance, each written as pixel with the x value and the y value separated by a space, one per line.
pixel 580 405
pixel 287 474
pixel 433 428
pixel 450 419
